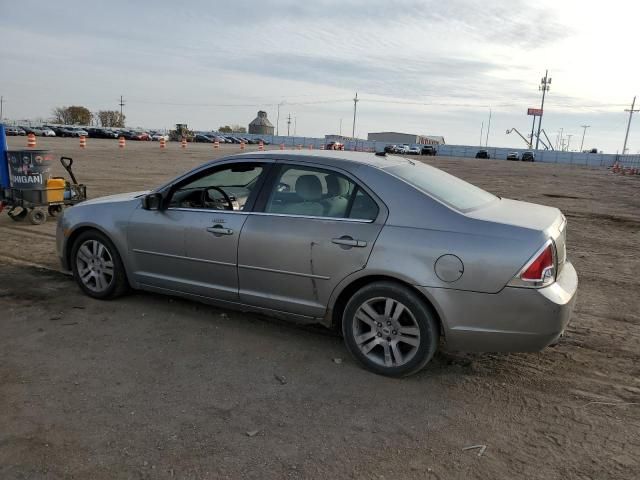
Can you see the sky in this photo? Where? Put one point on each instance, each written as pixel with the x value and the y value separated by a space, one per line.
pixel 427 67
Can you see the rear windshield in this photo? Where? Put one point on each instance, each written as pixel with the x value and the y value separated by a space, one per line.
pixel 448 189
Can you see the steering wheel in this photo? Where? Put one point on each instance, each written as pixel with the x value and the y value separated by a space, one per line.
pixel 224 194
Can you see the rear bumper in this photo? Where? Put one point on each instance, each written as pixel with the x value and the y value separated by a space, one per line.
pixel 513 320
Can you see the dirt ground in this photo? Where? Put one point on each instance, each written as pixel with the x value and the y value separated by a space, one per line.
pixel 155 387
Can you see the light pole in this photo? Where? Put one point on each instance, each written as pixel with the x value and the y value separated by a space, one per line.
pixel 481 132
pixel 631 112
pixel 584 130
pixel 545 84
pixel 355 108
pixel 486 143
pixel 569 135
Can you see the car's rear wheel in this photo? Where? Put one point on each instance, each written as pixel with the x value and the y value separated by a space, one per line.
pixel 97 266
pixel 389 329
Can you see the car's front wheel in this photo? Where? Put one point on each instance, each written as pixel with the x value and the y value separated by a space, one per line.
pixel 389 329
pixel 97 266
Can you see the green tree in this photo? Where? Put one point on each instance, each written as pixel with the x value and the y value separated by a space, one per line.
pixel 225 129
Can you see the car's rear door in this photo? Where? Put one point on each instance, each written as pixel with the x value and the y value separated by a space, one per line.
pixel 316 226
pixel 192 245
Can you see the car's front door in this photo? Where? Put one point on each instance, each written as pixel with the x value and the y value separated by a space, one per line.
pixel 191 245
pixel 316 227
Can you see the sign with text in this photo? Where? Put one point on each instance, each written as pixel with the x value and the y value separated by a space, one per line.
pixel 536 112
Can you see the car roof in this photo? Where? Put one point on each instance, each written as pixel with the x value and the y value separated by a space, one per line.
pixel 335 157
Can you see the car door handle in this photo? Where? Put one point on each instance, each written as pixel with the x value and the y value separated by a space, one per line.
pixel 220 230
pixel 349 242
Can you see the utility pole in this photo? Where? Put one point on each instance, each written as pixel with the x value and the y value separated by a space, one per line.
pixel 545 84
pixel 569 135
pixel 584 130
pixel 278 122
pixel 1 102
pixel 631 112
pixel 288 124
pixel 355 107
pixel 486 143
pixel 533 126
pixel 481 132
pixel 340 127
pixel 295 125
pixel 121 105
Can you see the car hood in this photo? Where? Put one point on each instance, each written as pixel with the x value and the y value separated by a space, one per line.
pixel 119 198
pixel 519 214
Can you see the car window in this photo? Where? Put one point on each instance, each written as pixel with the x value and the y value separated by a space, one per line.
pixel 319 193
pixel 224 189
pixel 449 189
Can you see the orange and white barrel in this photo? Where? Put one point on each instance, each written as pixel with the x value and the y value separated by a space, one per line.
pixel 163 142
pixel 121 142
pixel 216 144
pixel 31 140
pixel 299 147
pixel 282 146
pixel 310 147
pixel 241 145
pixel 83 141
pixel 183 143
pixel 261 146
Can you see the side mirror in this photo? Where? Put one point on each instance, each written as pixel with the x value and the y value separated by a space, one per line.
pixel 152 201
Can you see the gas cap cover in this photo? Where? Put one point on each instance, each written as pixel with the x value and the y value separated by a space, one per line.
pixel 449 268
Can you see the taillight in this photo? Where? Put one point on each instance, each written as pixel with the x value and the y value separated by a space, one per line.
pixel 540 271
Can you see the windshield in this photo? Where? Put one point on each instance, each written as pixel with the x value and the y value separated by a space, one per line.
pixel 444 187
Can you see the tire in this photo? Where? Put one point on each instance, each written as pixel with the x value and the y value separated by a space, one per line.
pixel 105 278
pixel 37 216
pixel 17 217
pixel 415 331
pixel 55 210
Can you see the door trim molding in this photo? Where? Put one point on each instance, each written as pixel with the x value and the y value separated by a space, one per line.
pixel 284 272
pixel 180 257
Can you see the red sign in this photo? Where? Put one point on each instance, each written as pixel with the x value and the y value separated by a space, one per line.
pixel 537 112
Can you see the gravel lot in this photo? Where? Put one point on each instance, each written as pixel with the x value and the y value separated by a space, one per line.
pixel 156 387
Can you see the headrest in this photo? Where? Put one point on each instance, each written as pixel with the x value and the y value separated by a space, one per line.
pixel 309 187
pixel 337 186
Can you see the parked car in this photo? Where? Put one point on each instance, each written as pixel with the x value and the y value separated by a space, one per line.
pixel 156 137
pixel 199 138
pixel 402 253
pixel 428 150
pixel 402 149
pixel 101 133
pixel 513 156
pixel 37 131
pixel 220 139
pixel 389 149
pixel 264 142
pixel 14 131
pixel 483 154
pixel 334 146
pixel 414 151
pixel 528 156
pixel 77 132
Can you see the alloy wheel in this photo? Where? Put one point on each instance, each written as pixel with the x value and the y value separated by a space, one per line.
pixel 386 332
pixel 95 266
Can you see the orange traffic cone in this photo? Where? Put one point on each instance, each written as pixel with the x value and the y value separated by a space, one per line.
pixel 83 141
pixel 31 140
pixel 121 142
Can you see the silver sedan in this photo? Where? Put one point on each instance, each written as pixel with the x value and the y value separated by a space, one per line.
pixel 394 253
